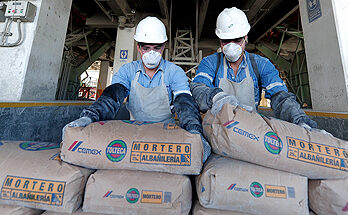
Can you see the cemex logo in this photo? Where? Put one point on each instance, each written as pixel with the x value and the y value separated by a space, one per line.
pixel 76 146
pixel 233 187
pixel 233 124
pixel 112 196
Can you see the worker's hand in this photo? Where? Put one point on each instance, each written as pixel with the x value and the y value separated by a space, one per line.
pixel 206 145
pixel 223 98
pixel 309 128
pixel 305 120
pixel 80 122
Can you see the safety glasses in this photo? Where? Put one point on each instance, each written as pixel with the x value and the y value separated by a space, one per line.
pixel 148 47
pixel 237 41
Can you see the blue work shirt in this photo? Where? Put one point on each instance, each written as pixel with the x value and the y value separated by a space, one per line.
pixel 174 77
pixel 270 79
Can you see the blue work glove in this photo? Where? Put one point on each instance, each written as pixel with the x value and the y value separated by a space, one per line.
pixel 80 122
pixel 206 145
pixel 309 128
pixel 223 98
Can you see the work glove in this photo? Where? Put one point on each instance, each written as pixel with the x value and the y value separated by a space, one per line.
pixel 305 120
pixel 206 145
pixel 223 98
pixel 80 122
pixel 309 128
pixel 285 107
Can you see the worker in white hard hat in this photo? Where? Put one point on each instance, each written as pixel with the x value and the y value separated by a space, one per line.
pixel 237 77
pixel 152 85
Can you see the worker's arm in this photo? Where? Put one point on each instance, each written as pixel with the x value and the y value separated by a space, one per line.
pixel 187 109
pixel 190 119
pixel 285 107
pixel 202 86
pixel 188 114
pixel 105 108
pixel 204 95
pixel 107 105
pixel 283 103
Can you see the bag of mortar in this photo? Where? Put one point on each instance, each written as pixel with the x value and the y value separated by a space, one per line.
pixel 17 210
pixel 199 210
pixel 277 144
pixel 229 184
pixel 328 196
pixel 32 175
pixel 134 145
pixel 137 192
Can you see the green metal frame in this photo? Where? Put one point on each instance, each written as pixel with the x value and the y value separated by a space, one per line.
pixel 296 68
pixel 74 82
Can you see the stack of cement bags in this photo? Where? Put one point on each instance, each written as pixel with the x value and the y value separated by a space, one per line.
pixel 161 154
pixel 18 210
pixel 33 179
pixel 289 155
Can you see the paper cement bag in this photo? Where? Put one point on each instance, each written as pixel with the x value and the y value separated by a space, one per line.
pixel 78 212
pixel 199 210
pixel 277 144
pixel 32 175
pixel 134 145
pixel 234 185
pixel 328 196
pixel 17 210
pixel 137 192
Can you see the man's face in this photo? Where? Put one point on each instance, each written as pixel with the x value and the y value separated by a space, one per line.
pixel 143 48
pixel 240 41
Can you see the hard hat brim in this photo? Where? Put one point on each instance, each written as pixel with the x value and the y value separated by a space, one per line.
pixel 149 40
pixel 226 36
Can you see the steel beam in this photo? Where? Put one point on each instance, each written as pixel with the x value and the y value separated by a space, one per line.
pixel 202 13
pixel 278 60
pixel 277 13
pixel 255 8
pixel 124 6
pixel 164 8
pixel 89 61
pixel 119 7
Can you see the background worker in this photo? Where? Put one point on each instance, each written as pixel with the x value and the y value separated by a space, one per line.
pixel 151 84
pixel 237 77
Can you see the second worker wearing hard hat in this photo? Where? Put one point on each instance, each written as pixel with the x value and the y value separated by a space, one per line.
pixel 237 77
pixel 152 86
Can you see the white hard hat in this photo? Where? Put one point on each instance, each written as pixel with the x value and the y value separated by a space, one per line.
pixel 232 23
pixel 150 30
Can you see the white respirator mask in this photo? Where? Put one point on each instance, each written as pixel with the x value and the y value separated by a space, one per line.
pixel 151 59
pixel 232 51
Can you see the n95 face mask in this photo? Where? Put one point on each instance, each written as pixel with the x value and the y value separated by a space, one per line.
pixel 232 51
pixel 151 59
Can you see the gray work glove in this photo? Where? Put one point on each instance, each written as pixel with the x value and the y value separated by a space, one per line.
pixel 309 128
pixel 80 122
pixel 206 145
pixel 223 98
pixel 285 107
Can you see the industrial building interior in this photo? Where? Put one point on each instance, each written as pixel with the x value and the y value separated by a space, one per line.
pixel 276 33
